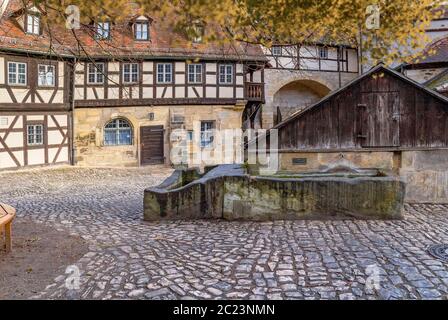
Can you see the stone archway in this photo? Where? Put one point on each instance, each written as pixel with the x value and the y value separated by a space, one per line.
pixel 296 96
pixel 290 91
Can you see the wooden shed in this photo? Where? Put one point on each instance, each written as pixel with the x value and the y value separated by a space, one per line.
pixel 380 120
pixel 382 109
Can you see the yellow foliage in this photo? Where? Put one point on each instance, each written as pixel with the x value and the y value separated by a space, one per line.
pixel 401 32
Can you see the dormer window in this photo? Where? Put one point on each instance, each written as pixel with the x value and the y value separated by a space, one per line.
pixel 103 30
pixel 141 30
pixel 198 32
pixel 33 24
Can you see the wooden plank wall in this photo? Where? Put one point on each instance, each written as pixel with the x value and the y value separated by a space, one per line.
pixel 340 123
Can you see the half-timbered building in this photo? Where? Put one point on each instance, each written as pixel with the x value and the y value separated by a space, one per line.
pixel 127 108
pixel 300 75
pixel 35 118
pixel 130 87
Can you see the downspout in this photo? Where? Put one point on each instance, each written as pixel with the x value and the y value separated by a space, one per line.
pixel 339 58
pixel 360 52
pixel 72 118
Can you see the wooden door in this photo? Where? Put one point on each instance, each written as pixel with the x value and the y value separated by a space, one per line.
pixel 151 145
pixel 380 119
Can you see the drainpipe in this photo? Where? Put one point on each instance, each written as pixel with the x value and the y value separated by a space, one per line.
pixel 360 52
pixel 72 118
pixel 339 58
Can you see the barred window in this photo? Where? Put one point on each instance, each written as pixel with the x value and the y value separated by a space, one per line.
pixel 118 132
pixel 35 134
pixel 195 73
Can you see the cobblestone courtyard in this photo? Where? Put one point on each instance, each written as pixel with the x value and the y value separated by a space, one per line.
pixel 130 258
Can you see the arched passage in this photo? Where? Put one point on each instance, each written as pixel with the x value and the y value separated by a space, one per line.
pixel 296 96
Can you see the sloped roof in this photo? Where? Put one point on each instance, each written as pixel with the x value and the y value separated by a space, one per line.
pixel 165 42
pixel 443 10
pixel 436 79
pixel 439 83
pixel 435 52
pixel 377 69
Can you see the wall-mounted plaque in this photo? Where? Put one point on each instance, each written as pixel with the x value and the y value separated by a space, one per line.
pixel 299 161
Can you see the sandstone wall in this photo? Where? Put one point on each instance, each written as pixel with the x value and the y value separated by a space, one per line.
pixel 313 198
pixel 316 161
pixel 426 175
pixel 425 172
pixel 236 196
pixel 89 130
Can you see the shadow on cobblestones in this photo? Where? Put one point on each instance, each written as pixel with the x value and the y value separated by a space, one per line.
pixel 132 259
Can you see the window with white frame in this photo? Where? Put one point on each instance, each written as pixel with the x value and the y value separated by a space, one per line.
pixel 102 30
pixel 95 73
pixel 46 75
pixel 276 51
pixel 130 72
pixel 323 52
pixel 226 74
pixel 164 73
pixel 16 73
pixel 198 33
pixel 141 30
pixel 195 73
pixel 207 133
pixel 35 134
pixel 32 24
pixel 118 132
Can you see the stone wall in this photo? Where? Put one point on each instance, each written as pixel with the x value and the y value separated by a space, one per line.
pixel 234 195
pixel 89 130
pixel 317 161
pixel 184 195
pixel 425 172
pixel 313 198
pixel 426 175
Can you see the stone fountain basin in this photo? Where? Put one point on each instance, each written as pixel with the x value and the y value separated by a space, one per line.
pixel 227 192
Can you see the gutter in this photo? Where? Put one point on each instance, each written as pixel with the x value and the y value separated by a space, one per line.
pixel 154 56
pixel 40 53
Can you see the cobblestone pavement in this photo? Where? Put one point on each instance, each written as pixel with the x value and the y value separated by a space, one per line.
pixel 130 258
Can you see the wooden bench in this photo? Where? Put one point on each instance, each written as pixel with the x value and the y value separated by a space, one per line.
pixel 7 214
